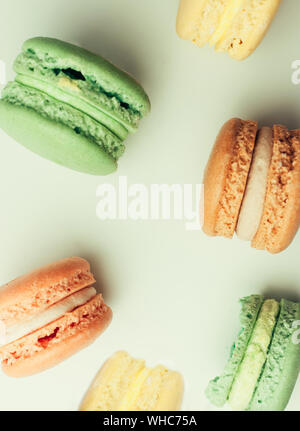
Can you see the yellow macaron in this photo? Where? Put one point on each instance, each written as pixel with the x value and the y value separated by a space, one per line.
pixel 126 384
pixel 233 26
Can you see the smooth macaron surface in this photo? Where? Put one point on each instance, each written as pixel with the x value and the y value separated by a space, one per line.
pixel 93 104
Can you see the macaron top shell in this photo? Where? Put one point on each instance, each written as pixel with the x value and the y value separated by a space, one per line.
pixel 38 290
pixel 58 55
pixel 226 176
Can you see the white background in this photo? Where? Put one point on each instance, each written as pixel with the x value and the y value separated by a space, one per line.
pixel 174 293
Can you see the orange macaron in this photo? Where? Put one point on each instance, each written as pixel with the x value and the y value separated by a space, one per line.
pixel 48 315
pixel 252 185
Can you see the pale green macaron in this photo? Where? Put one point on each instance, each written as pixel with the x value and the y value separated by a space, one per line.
pixel 265 359
pixel 71 106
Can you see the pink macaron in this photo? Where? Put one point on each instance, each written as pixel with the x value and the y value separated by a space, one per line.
pixel 48 315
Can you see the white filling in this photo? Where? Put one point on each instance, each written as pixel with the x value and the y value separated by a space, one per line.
pixel 254 198
pixel 68 304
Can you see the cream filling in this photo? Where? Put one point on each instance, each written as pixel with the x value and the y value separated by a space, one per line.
pixel 130 398
pixel 68 83
pixel 226 21
pixel 255 356
pixel 254 198
pixel 54 312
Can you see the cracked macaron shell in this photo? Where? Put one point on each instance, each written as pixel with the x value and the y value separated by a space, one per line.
pixel 96 81
pixel 55 342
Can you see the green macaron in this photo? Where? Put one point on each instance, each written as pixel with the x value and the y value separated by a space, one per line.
pixel 265 360
pixel 71 106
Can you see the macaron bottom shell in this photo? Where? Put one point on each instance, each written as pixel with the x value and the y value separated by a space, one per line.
pixel 54 141
pixel 57 341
